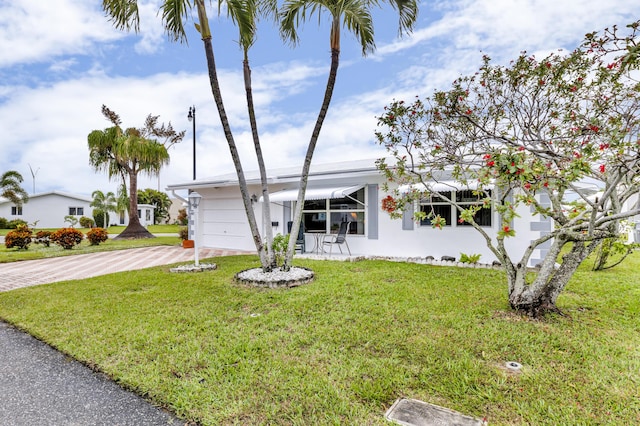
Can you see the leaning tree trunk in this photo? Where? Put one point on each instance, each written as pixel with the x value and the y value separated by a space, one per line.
pixel 134 229
pixel 205 32
pixel 333 72
pixel 539 297
pixel 266 205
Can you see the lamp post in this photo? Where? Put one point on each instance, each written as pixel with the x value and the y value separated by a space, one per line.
pixel 194 202
pixel 192 118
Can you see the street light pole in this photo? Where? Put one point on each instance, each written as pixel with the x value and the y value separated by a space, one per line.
pixel 192 118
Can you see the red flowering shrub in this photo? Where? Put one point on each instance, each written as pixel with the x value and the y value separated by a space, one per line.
pixel 67 237
pixel 43 237
pixel 389 204
pixel 97 236
pixel 20 237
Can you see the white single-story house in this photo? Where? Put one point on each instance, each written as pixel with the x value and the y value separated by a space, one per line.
pixel 348 191
pixel 48 210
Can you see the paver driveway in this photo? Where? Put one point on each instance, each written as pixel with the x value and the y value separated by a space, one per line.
pixel 42 271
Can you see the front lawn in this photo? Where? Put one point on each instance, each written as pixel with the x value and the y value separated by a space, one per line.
pixel 340 350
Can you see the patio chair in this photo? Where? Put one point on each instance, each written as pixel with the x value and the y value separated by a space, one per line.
pixel 300 243
pixel 338 239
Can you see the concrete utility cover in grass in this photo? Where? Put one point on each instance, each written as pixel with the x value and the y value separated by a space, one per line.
pixel 411 412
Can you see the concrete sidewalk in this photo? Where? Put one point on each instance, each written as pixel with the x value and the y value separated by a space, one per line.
pixel 41 386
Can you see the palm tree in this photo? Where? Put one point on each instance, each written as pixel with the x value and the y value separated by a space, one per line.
pixel 105 203
pixel 355 15
pixel 244 13
pixel 10 188
pixel 130 152
pixel 125 16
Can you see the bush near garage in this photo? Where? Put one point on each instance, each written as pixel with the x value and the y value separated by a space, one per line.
pixel 20 237
pixel 67 238
pixel 97 236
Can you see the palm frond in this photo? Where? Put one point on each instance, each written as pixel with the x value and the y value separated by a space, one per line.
pixel 123 14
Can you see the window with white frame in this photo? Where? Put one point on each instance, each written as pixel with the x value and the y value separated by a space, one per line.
pixel 76 211
pixel 436 205
pixel 16 210
pixel 326 215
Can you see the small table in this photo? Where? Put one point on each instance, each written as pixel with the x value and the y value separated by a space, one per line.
pixel 317 237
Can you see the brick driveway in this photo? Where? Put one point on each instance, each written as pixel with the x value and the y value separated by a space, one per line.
pixel 42 271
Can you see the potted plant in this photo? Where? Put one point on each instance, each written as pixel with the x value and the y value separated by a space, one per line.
pixel 184 235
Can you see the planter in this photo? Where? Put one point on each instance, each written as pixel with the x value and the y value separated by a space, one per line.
pixel 187 244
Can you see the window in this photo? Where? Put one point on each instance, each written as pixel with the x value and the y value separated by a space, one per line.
pixel 468 198
pixel 16 210
pixel 76 211
pixel 436 205
pixel 326 215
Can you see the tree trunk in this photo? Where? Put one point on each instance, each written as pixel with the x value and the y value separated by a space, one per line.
pixel 134 229
pixel 266 209
pixel 539 297
pixel 335 59
pixel 205 32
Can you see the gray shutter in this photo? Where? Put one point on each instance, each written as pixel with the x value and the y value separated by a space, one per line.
pixel 407 219
pixel 372 212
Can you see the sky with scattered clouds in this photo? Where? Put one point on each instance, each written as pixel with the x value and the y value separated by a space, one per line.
pixel 61 60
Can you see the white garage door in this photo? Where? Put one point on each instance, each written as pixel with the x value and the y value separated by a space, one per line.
pixel 225 224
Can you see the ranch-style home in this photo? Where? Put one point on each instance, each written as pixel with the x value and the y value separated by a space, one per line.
pixel 351 192
pixel 48 210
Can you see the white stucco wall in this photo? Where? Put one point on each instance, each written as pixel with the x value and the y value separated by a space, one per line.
pixel 48 209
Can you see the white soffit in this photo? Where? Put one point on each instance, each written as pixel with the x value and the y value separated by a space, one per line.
pixel 320 193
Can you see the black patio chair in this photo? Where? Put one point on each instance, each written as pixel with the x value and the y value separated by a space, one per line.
pixel 338 239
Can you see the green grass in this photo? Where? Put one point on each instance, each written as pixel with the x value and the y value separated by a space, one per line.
pixel 38 251
pixel 340 350
pixel 114 230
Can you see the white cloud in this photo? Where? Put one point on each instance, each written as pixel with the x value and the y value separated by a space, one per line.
pixel 36 31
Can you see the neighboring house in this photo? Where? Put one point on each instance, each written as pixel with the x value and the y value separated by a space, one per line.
pixel 48 209
pixel 348 191
pixel 145 213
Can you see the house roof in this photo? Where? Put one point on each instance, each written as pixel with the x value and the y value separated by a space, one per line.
pixel 53 193
pixel 284 175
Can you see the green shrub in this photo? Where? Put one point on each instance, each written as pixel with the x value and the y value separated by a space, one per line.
pixel 67 237
pixel 469 258
pixel 279 247
pixel 43 237
pixel 183 233
pixel 86 222
pixel 4 223
pixel 97 236
pixel 13 224
pixel 20 237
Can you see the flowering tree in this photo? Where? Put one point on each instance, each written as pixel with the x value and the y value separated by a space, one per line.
pixel 528 135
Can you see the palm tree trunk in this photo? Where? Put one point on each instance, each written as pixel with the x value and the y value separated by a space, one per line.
pixel 266 205
pixel 134 229
pixel 217 96
pixel 335 59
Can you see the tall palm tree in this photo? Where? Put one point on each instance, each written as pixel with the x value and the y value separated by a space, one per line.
pixel 244 14
pixel 105 203
pixel 125 16
pixel 130 152
pixel 355 15
pixel 11 189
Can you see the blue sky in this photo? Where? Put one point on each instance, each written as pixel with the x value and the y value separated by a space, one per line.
pixel 60 60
